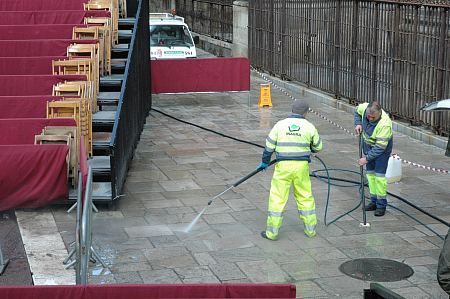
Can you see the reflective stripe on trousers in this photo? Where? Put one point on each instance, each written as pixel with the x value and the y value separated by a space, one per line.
pixel 285 174
pixel 377 189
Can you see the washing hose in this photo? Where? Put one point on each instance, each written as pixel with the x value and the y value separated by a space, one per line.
pixel 329 180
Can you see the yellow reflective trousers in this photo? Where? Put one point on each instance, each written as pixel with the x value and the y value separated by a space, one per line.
pixel 287 173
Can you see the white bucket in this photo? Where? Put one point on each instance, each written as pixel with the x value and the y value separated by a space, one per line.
pixel 394 170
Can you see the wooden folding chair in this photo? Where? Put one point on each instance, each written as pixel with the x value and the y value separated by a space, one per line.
pixel 123 8
pixel 79 110
pixel 56 139
pixel 113 8
pixel 88 91
pixel 67 90
pixel 77 67
pixel 74 146
pixel 92 33
pixel 105 32
pixel 84 51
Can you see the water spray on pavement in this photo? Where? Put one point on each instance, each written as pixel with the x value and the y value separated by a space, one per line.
pixel 191 225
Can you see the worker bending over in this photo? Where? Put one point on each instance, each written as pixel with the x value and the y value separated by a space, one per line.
pixel 376 128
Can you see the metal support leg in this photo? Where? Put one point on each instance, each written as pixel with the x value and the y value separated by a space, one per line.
pixel 71 264
pixel 97 257
pixel 71 254
pixel 3 263
pixel 94 208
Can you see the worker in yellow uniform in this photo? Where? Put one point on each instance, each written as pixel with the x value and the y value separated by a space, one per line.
pixel 376 128
pixel 292 139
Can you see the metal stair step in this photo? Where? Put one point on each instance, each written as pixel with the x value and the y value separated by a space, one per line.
pixel 106 98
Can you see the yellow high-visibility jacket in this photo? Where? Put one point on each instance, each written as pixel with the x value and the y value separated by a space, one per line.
pixel 293 138
pixel 377 135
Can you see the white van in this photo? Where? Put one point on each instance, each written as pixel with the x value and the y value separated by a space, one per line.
pixel 170 37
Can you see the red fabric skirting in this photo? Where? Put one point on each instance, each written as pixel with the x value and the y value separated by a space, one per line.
pixel 200 75
pixel 22 130
pixel 28 65
pixel 39 47
pixel 48 17
pixel 31 32
pixel 25 107
pixel 27 5
pixel 23 85
pixel 32 176
pixel 150 291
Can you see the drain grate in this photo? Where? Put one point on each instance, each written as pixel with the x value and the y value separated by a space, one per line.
pixel 376 269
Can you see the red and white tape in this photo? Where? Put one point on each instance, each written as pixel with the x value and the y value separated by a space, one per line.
pixel 395 156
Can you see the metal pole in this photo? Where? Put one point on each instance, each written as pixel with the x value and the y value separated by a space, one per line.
pixel 361 190
pixel 337 48
pixel 78 230
pixel 85 246
pixel 354 48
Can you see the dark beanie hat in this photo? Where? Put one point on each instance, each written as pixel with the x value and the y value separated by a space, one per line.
pixel 300 107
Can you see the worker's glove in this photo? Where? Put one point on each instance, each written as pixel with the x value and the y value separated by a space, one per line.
pixel 263 166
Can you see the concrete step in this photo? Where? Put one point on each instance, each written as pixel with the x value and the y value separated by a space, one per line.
pixel 101 117
pixel 127 22
pixel 108 98
pixel 101 192
pixel 118 65
pixel 114 80
pixel 125 34
pixel 101 163
pixel 100 142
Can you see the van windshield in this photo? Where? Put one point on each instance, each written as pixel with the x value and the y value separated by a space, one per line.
pixel 170 35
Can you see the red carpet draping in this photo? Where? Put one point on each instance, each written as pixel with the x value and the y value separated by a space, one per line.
pixel 48 17
pixel 27 5
pixel 28 65
pixel 22 130
pixel 150 291
pixel 25 106
pixel 23 85
pixel 38 47
pixel 31 32
pixel 32 176
pixel 200 75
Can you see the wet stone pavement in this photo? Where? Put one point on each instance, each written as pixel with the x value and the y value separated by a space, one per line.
pixel 178 168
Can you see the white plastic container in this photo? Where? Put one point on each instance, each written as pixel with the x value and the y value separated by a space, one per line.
pixel 394 170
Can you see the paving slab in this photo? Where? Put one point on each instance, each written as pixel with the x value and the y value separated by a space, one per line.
pixel 174 175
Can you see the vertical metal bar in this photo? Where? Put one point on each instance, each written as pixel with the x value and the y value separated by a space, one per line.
pixel 309 43
pixel 441 64
pixel 337 48
pixel 272 36
pixel 210 29
pixel 395 66
pixel 354 50
pixel 283 38
pixel 375 53
pixel 77 230
pixel 413 61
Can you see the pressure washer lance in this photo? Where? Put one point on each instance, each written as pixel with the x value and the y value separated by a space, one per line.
pixel 361 188
pixel 189 227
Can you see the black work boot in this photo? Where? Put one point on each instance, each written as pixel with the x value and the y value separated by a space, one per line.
pixel 380 212
pixel 371 207
pixel 263 234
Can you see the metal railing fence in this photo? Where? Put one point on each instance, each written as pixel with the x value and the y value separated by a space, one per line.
pixel 134 102
pixel 213 18
pixel 395 52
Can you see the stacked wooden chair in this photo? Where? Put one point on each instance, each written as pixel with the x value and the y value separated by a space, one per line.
pixel 79 110
pixel 113 7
